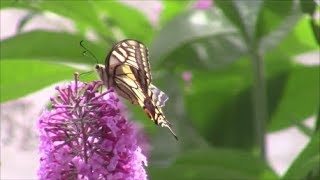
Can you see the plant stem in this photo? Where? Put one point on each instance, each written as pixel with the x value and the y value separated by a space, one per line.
pixel 259 99
pixel 318 120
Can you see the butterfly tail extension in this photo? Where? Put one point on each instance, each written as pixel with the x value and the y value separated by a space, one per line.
pixel 169 127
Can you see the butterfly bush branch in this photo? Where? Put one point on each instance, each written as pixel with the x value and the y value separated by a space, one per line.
pixel 259 100
pixel 85 136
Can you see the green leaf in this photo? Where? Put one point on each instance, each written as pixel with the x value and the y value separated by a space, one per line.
pixel 300 97
pixel 224 116
pixel 24 21
pixel 299 40
pixel 304 33
pixel 83 13
pixel 276 20
pixel 243 14
pixel 12 3
pixel 214 164
pixel 20 77
pixel 172 9
pixel 129 20
pixel 307 164
pixel 308 6
pixel 197 38
pixel 53 46
pixel 229 112
pixel 230 10
pixel 304 128
pixel 272 15
pixel 316 30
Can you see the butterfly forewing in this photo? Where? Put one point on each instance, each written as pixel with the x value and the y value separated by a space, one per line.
pixel 125 83
pixel 140 54
pixel 134 54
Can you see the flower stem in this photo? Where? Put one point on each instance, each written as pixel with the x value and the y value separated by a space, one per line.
pixel 84 141
pixel 259 100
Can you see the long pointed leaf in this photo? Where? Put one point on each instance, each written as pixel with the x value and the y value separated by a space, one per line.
pixel 20 77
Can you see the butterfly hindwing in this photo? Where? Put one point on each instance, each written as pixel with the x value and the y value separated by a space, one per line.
pixel 158 97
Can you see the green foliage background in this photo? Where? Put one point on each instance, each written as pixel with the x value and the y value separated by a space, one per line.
pixel 245 80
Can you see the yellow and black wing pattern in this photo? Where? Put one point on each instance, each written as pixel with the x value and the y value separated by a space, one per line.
pixel 127 71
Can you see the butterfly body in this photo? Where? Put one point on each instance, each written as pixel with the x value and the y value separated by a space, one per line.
pixel 127 71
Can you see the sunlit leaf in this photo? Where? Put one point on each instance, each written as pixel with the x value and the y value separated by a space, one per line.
pixel 130 21
pixel 276 20
pixel 81 12
pixel 172 9
pixel 24 21
pixel 14 3
pixel 53 46
pixel 300 97
pixel 21 77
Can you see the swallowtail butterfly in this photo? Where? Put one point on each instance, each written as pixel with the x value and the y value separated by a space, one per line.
pixel 127 71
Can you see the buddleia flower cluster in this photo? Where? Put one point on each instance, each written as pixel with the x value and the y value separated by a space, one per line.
pixel 85 136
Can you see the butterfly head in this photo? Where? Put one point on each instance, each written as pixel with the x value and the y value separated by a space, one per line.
pixel 101 73
pixel 99 67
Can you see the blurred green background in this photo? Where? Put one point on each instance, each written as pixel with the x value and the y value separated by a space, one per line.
pixel 243 56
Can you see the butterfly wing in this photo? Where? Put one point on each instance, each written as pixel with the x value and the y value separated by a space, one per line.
pixel 134 54
pixel 156 115
pixel 128 72
pixel 123 82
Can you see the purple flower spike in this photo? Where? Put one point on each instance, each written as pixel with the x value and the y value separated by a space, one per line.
pixel 85 136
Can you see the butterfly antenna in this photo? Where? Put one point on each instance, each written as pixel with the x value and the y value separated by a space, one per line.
pixel 86 50
pixel 89 72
